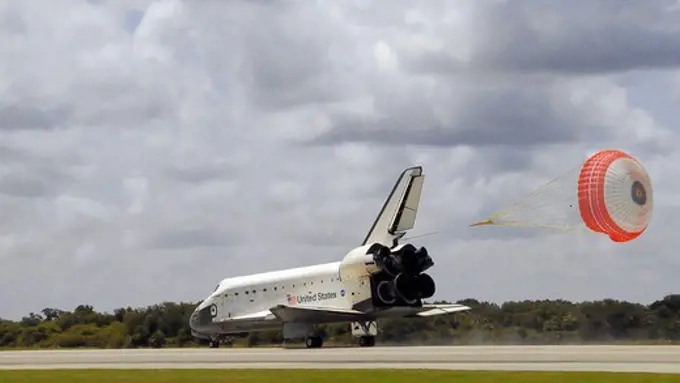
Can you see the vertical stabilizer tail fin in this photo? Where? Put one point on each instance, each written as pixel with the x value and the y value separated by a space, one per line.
pixel 398 214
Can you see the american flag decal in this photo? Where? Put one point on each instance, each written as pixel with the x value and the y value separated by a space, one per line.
pixel 291 299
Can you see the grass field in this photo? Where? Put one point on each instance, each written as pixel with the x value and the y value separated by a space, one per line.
pixel 322 376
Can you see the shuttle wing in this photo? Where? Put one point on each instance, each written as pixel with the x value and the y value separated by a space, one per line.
pixel 256 316
pixel 398 214
pixel 328 314
pixel 315 314
pixel 432 310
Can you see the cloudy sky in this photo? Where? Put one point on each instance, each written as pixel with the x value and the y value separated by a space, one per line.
pixel 149 149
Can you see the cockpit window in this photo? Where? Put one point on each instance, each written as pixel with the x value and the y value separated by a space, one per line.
pixel 216 287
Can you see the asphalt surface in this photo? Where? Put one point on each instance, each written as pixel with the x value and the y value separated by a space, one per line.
pixel 537 358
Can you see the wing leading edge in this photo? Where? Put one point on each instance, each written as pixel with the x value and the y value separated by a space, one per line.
pixel 326 314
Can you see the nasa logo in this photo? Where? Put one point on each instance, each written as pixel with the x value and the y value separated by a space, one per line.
pixel 213 310
pixel 342 292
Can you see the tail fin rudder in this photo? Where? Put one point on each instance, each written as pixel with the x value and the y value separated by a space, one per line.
pixel 398 214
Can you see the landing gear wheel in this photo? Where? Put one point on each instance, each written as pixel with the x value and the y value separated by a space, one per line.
pixel 313 342
pixel 214 344
pixel 367 341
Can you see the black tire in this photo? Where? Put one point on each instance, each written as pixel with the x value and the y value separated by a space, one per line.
pixel 313 342
pixel 367 341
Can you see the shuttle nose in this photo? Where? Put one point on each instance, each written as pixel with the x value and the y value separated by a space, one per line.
pixel 193 319
pixel 203 315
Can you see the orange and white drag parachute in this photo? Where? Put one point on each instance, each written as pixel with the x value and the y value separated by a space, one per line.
pixel 610 193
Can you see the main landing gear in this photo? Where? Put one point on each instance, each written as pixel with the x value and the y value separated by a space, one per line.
pixel 367 341
pixel 366 332
pixel 314 342
pixel 215 343
pixel 317 341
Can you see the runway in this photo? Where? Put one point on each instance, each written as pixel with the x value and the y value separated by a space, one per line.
pixel 536 358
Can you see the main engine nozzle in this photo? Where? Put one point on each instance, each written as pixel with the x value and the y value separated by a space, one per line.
pixel 407 287
pixel 403 259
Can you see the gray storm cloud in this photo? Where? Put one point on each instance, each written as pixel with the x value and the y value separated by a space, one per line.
pixel 171 144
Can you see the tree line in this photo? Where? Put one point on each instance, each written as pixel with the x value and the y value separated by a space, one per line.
pixel 516 322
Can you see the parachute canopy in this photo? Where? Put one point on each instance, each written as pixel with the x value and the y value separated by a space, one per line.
pixel 610 193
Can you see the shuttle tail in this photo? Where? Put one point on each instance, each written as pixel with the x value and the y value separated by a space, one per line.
pixel 398 214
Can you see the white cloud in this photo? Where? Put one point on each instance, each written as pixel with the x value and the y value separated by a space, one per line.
pixel 150 149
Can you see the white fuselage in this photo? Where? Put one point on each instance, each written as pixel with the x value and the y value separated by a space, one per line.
pixel 312 286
